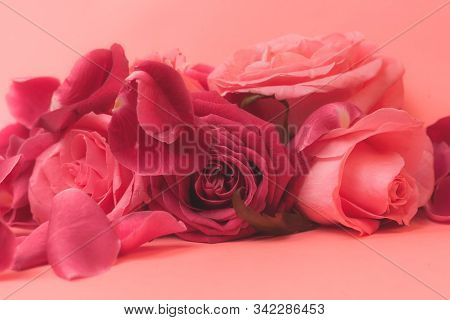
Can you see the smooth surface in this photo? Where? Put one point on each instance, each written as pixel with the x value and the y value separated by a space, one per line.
pixel 328 263
pixel 398 263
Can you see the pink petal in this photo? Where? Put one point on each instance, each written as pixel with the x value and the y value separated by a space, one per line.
pixel 440 131
pixel 31 250
pixel 375 89
pixel 7 246
pixel 140 227
pixel 81 242
pixel 7 166
pixel 32 147
pixel 367 175
pixel 29 99
pixel 58 119
pixel 438 209
pixel 92 86
pixel 161 152
pixel 200 72
pixel 319 196
pixel 163 102
pixel 124 131
pixel 7 132
pixel 86 76
pixel 323 120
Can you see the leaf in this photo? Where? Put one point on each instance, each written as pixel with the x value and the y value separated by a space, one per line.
pixel 279 224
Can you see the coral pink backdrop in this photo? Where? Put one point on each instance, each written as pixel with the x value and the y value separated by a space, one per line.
pixel 42 38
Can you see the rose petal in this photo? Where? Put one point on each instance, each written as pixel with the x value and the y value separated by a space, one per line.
pixel 323 120
pixel 325 207
pixel 440 131
pixel 31 250
pixel 157 153
pixel 92 86
pixel 200 73
pixel 7 166
pixel 86 76
pixel 367 175
pixel 28 99
pixel 438 209
pixel 81 242
pixel 375 89
pixel 7 246
pixel 13 130
pixel 163 103
pixel 140 227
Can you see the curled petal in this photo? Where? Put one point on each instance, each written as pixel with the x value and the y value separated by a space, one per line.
pixel 92 86
pixel 163 101
pixel 87 75
pixel 329 117
pixel 81 242
pixel 28 99
pixel 141 227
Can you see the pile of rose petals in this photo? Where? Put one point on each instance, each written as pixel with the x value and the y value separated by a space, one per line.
pixel 280 138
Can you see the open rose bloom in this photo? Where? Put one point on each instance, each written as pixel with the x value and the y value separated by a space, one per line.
pixel 308 73
pixel 281 137
pixel 364 169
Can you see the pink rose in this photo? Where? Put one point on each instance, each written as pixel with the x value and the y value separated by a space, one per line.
pixel 199 151
pixel 308 73
pixel 91 86
pixel 438 208
pixel 363 169
pixel 87 206
pixel 82 159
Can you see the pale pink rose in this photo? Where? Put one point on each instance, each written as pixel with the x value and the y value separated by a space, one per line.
pixel 364 169
pixel 438 209
pixel 82 159
pixel 310 72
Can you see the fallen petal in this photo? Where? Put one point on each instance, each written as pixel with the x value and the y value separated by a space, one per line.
pixel 81 242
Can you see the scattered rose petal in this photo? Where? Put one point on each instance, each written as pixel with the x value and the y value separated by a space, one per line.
pixel 28 99
pixel 81 242
pixel 140 227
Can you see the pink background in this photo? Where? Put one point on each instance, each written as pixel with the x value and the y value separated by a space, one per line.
pixel 326 263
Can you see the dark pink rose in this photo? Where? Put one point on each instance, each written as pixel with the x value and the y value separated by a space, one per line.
pixel 198 151
pixel 438 208
pixel 363 169
pixel 307 73
pixel 91 86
